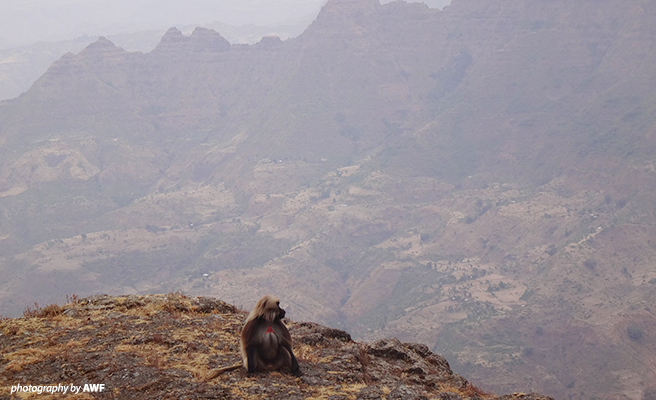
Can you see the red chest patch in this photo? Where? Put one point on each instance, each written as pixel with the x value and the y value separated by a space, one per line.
pixel 269 330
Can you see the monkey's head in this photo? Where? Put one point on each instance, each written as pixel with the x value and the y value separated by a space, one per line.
pixel 268 307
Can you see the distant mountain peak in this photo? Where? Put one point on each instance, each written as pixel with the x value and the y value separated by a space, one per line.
pixel 199 31
pixel 101 47
pixel 200 40
pixel 269 42
pixel 357 11
pixel 172 32
pixel 103 41
pixel 351 4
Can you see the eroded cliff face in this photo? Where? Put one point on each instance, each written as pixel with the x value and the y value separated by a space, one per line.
pixel 155 346
pixel 480 179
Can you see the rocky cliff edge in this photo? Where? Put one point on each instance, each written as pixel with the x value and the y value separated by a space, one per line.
pixel 162 346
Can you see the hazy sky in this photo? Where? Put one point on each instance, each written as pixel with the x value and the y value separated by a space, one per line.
pixel 27 21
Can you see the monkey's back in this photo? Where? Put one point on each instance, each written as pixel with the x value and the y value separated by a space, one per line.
pixel 266 344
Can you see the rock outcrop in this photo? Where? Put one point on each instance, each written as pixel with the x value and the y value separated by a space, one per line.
pixel 160 346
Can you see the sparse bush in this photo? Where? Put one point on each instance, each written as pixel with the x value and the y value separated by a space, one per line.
pixel 50 311
pixel 551 250
pixel 649 394
pixel 635 332
pixel 590 264
pixel 527 295
pixel 72 299
pixel 31 311
pixel 42 312
pixel 500 286
pixel 626 272
pixel 154 229
pixel 472 390
pixel 176 302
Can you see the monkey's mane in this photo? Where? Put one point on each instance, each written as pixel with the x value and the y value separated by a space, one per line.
pixel 266 307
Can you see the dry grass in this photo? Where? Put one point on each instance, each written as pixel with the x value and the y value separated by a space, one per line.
pixel 184 348
pixel 21 358
pixel 23 326
pixel 72 299
pixel 50 310
pixel 350 391
pixel 306 353
pixel 473 390
pixel 469 391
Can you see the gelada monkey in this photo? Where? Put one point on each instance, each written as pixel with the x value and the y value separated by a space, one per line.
pixel 266 344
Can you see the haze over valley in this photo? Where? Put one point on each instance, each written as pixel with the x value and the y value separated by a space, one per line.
pixel 478 178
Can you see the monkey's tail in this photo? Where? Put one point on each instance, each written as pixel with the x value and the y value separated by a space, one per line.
pixel 213 373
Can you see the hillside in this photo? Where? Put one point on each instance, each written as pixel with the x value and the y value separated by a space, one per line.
pixel 479 179
pixel 20 67
pixel 161 347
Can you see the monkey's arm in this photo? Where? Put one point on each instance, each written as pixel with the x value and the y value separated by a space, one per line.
pixel 296 370
pixel 287 344
pixel 249 343
pixel 251 352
